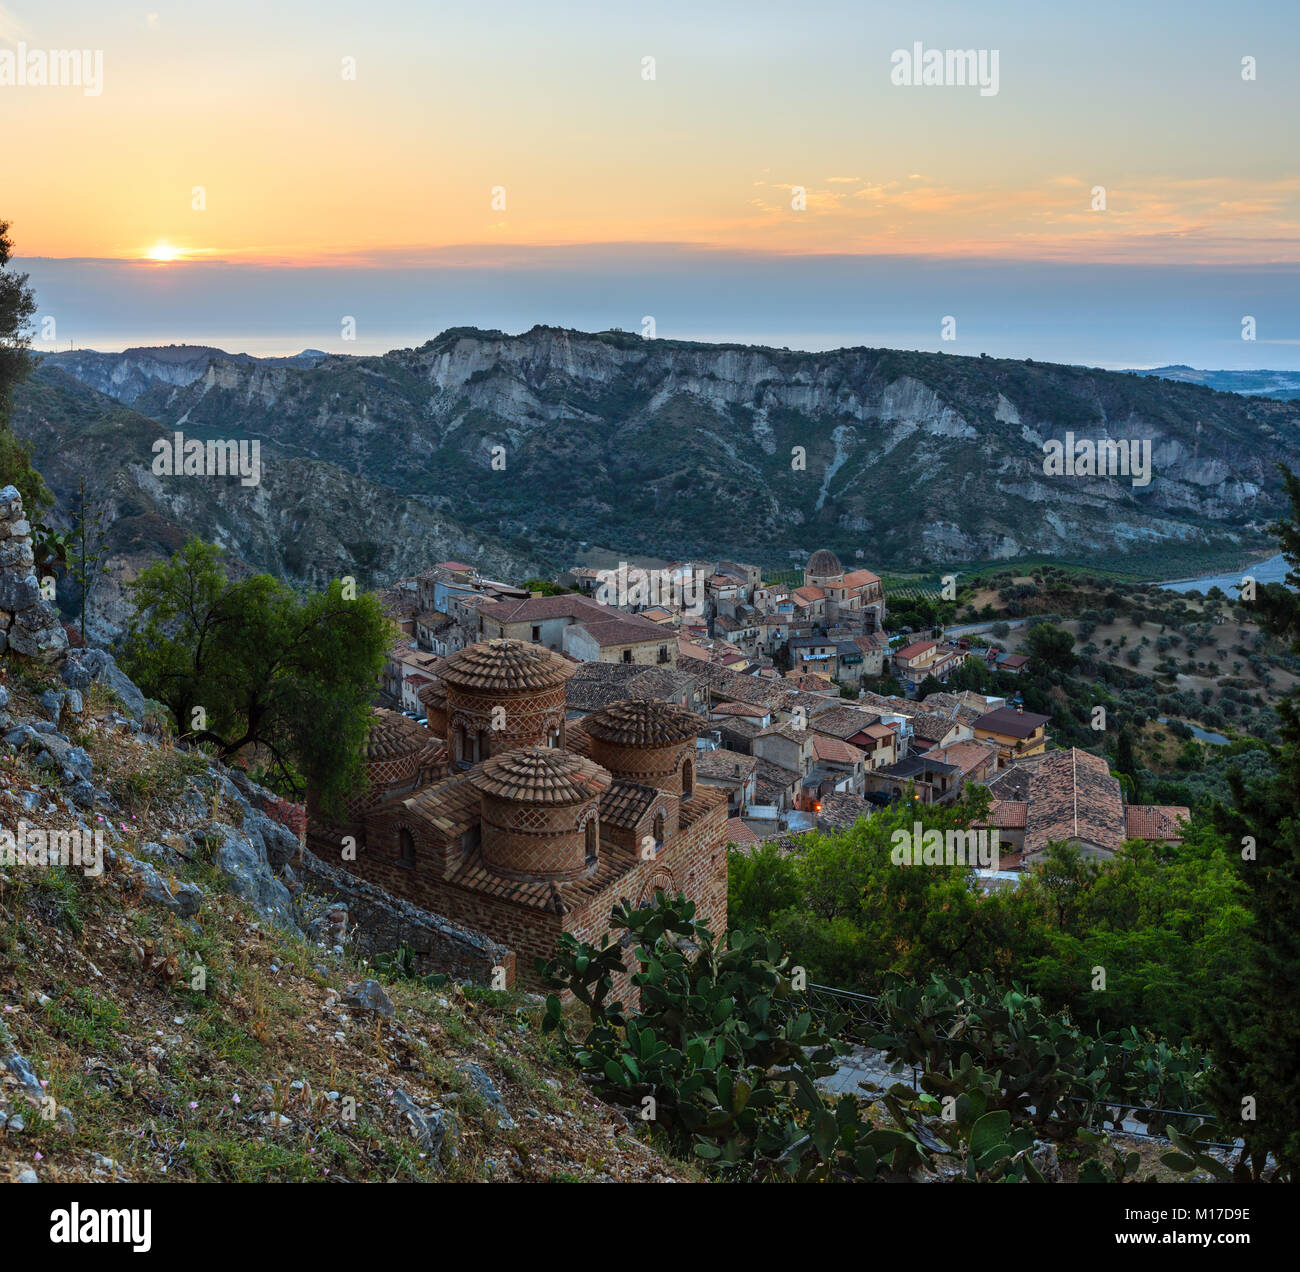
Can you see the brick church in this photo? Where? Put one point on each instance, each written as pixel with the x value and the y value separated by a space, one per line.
pixel 507 818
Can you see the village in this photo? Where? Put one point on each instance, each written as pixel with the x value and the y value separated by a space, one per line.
pixel 781 679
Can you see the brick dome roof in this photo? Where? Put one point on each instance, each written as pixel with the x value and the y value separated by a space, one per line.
pixel 824 563
pixel 541 775
pixel 642 722
pixel 505 665
pixel 393 735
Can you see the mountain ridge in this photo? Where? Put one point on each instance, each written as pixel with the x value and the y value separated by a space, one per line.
pixel 679 448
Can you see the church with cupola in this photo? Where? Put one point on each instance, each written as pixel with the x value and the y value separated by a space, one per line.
pixel 852 596
pixel 507 818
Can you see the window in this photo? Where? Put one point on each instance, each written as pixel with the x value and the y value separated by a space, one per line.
pixel 553 737
pixel 593 841
pixel 688 779
pixel 627 655
pixel 537 632
pixel 659 828
pixel 405 849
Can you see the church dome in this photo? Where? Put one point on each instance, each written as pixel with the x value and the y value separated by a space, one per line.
pixel 540 775
pixel 501 695
pixel 394 736
pixel 823 564
pixel 646 741
pixel 642 722
pixel 504 666
pixel 540 814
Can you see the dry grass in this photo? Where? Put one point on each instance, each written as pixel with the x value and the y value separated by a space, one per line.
pixel 246 1073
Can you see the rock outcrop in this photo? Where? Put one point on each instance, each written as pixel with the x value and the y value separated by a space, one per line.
pixel 29 624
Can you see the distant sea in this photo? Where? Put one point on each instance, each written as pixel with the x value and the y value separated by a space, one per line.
pixel 1273 570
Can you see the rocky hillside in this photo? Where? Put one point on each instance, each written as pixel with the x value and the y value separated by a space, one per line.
pixel 676 448
pixel 308 520
pixel 191 1007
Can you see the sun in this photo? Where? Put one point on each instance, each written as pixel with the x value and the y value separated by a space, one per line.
pixel 164 252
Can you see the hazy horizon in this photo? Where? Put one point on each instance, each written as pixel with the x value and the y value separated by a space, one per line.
pixel 1112 316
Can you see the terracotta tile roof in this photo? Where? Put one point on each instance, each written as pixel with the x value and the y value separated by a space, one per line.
pixel 505 665
pixel 872 640
pixel 808 595
pixel 559 898
pixel 613 628
pixel 643 722
pixel 1008 814
pixel 931 726
pixel 740 834
pixel 626 803
pixel 1073 796
pixel 840 810
pixel 540 775
pixel 393 735
pixel 772 779
pixel 843 722
pixel 575 737
pixel 824 564
pixel 1154 821
pixel 834 751
pixel 721 763
pixel 859 578
pixel 536 609
pixel 739 709
pixel 663 682
pixel 1014 781
pixel 917 647
pixel 451 807
pixel 968 755
pixel 784 729
pixel 736 732
pixel 596 684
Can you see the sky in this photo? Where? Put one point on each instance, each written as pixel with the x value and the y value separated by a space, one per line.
pixel 1121 188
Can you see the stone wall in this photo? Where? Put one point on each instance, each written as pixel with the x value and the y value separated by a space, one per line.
pixel 29 624
pixel 381 922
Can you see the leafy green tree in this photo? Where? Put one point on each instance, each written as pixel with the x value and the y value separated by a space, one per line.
pixel 17 306
pixel 86 550
pixel 255 670
pixel 1126 761
pixel 1050 646
pixel 545 587
pixel 1166 926
pixel 1255 1035
pixel 973 674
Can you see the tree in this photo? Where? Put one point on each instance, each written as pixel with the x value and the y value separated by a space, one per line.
pixel 17 305
pixel 545 587
pixel 1050 647
pixel 1255 1036
pixel 973 674
pixel 1125 760
pixel 931 684
pixel 251 668
pixel 85 550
